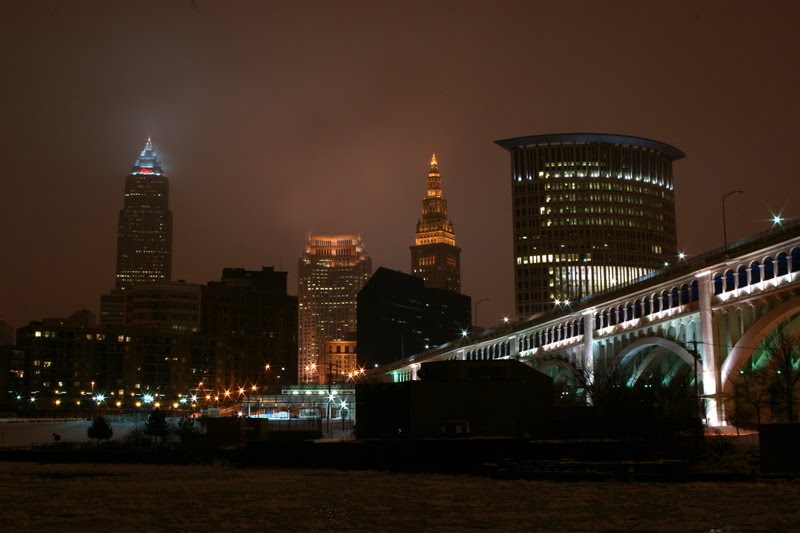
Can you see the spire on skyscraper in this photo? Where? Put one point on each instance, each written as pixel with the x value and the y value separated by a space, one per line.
pixel 435 256
pixel 148 162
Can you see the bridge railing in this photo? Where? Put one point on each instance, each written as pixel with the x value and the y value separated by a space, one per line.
pixel 698 262
pixel 692 264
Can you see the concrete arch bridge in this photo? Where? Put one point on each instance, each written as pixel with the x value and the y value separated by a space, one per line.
pixel 710 312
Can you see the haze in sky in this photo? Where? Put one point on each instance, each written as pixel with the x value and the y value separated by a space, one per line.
pixel 278 119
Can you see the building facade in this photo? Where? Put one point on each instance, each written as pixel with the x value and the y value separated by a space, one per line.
pixel 144 236
pixel 112 308
pixel 255 319
pixel 399 317
pixel 172 305
pixel 337 362
pixel 590 211
pixel 435 257
pixel 71 363
pixel 331 272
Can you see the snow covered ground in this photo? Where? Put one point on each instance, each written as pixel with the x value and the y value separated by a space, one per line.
pixel 141 498
pixel 16 433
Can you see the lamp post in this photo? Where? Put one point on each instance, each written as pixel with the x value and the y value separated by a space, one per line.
pixel 724 224
pixel 475 311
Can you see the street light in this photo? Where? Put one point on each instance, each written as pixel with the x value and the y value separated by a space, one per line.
pixel 475 311
pixel 724 224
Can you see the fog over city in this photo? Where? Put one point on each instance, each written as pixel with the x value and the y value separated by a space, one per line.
pixel 276 120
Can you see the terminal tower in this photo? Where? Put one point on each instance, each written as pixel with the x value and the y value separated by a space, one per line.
pixel 435 257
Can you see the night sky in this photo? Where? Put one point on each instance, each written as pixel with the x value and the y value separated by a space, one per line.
pixel 277 119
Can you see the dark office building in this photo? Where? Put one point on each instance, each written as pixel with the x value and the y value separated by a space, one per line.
pixel 398 317
pixel 144 236
pixel 68 362
pixel 6 333
pixel 254 317
pixel 502 398
pixel 590 211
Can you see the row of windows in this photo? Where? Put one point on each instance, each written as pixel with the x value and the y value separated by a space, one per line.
pixel 639 190
pixel 626 162
pixel 622 222
pixel 589 199
pixel 594 209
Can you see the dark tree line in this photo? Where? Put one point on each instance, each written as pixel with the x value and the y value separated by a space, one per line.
pixel 769 392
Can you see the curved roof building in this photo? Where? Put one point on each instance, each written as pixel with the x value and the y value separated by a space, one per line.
pixel 590 211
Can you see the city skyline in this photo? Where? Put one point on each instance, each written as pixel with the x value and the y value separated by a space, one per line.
pixel 267 115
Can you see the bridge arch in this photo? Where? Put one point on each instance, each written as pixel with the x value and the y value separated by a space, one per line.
pixel 627 353
pixel 752 338
pixel 646 366
pixel 565 369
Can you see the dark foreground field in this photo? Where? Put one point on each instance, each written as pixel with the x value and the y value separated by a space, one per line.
pixel 71 497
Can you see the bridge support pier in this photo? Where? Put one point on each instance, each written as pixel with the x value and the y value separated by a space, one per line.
pixel 711 367
pixel 588 349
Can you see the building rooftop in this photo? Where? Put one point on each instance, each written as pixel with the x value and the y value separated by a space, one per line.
pixel 148 162
pixel 586 138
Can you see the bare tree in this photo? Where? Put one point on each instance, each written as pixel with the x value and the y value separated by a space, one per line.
pixel 783 350
pixel 599 385
pixel 751 389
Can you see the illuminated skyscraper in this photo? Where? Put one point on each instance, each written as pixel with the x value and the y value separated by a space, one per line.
pixel 435 257
pixel 590 211
pixel 144 237
pixel 331 272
